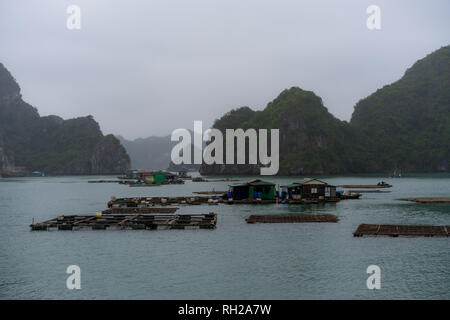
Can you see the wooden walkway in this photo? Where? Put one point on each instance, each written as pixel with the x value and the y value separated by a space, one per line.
pixel 129 221
pixel 401 230
pixel 292 219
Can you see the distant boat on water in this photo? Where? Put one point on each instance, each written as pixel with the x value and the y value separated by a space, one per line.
pixel 37 174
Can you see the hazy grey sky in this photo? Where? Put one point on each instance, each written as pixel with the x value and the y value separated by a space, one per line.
pixel 144 68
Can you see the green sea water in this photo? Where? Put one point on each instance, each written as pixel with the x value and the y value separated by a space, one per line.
pixel 236 260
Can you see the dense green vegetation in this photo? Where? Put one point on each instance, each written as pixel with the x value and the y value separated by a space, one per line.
pixel 404 127
pixel 311 139
pixel 51 144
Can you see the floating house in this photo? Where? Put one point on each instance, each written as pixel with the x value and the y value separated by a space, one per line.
pixel 308 188
pixel 155 177
pixel 13 172
pixel 130 174
pixel 183 175
pixel 253 189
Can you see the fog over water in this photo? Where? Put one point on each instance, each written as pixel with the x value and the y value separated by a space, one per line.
pixel 179 61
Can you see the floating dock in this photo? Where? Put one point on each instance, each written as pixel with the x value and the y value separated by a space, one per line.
pixel 365 186
pixel 401 230
pixel 292 219
pixel 201 179
pixel 428 200
pixel 104 181
pixel 156 184
pixel 352 195
pixel 127 221
pixel 151 201
pixel 198 200
pixel 209 192
pixel 370 191
pixel 280 201
pixel 140 210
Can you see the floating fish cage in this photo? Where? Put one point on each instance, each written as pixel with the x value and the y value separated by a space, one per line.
pixel 292 219
pixel 142 202
pixel 428 200
pixel 129 221
pixel 139 210
pixel 152 201
pixel 401 230
pixel 365 186
pixel 210 192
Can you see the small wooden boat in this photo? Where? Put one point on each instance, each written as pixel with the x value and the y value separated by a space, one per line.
pixel 350 196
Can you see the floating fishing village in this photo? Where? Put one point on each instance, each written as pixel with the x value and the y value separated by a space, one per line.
pixel 135 178
pixel 160 212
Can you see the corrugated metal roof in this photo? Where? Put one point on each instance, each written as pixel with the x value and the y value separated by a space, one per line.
pixel 150 173
pixel 310 181
pixel 262 183
pixel 292 185
pixel 254 182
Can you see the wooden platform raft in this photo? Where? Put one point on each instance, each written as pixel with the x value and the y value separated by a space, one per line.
pixel 292 219
pixel 129 221
pixel 152 201
pixel 365 186
pixel 137 202
pixel 141 210
pixel 209 192
pixel 428 200
pixel 401 230
pixel 370 191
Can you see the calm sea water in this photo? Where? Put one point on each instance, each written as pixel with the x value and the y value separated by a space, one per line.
pixel 236 260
